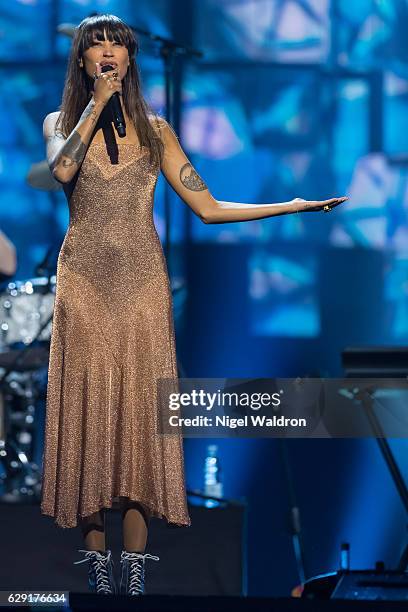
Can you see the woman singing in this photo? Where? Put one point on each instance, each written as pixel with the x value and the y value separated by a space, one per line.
pixel 113 334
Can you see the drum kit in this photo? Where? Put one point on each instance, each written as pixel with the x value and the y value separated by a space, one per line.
pixel 26 309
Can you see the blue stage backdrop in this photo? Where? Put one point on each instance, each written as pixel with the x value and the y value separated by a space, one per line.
pixel 292 98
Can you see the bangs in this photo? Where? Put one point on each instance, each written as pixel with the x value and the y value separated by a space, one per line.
pixel 116 31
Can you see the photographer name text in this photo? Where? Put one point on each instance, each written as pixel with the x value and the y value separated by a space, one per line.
pixel 233 423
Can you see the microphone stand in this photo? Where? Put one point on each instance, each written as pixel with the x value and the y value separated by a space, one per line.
pixel 168 51
pixel 294 513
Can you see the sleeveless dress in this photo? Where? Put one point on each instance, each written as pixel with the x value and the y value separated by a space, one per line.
pixel 112 339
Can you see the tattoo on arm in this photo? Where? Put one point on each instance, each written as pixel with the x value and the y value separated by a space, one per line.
pixel 74 149
pixel 90 111
pixel 190 179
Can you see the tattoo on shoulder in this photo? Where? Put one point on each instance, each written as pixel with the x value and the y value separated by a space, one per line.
pixel 190 179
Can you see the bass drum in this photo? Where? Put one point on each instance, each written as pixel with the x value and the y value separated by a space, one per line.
pixel 25 306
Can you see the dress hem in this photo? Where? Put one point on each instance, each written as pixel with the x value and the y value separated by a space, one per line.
pixel 109 505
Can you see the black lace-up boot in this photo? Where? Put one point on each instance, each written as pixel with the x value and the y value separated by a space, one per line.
pixel 133 572
pixel 100 572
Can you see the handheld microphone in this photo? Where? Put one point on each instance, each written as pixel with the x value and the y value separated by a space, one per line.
pixel 116 108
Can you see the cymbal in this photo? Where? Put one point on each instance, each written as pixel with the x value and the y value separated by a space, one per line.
pixel 39 176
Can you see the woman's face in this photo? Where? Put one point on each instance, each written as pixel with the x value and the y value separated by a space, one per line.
pixel 106 52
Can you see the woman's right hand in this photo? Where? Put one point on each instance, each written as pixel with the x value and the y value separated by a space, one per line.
pixel 105 85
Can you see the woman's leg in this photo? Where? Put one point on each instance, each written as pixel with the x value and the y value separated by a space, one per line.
pixel 135 521
pixel 93 530
pixel 101 577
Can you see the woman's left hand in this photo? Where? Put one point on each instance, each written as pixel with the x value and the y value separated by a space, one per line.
pixel 301 205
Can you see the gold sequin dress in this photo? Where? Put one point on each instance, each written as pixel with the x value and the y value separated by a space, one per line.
pixel 112 338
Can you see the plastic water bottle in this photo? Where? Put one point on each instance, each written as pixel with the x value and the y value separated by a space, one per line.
pixel 345 556
pixel 212 476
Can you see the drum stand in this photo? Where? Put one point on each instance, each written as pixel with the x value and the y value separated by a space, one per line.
pixel 22 477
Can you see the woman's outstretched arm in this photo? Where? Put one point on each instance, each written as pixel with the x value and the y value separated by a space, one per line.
pixel 191 188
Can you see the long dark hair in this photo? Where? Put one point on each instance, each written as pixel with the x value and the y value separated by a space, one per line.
pixel 79 86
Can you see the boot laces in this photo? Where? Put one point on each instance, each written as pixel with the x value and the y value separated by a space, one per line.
pixel 99 564
pixel 136 570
